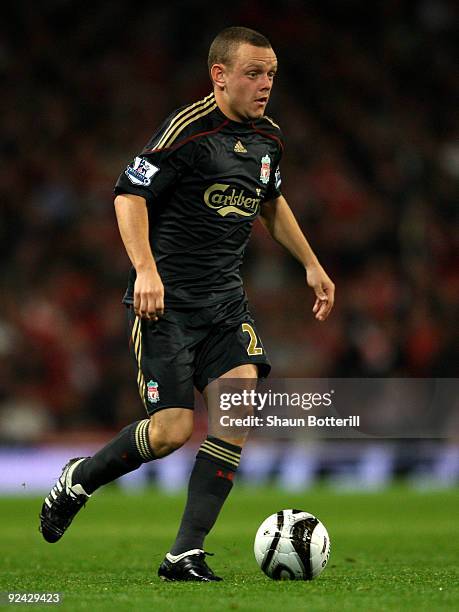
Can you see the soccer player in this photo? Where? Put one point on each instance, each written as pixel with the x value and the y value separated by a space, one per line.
pixel 185 207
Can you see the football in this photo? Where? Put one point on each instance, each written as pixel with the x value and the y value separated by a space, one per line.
pixel 292 545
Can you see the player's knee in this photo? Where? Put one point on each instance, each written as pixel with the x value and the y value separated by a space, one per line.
pixel 170 430
pixel 169 442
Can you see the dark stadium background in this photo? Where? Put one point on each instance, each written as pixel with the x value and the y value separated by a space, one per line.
pixel 367 97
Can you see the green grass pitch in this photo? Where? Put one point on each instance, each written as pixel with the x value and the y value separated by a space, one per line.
pixel 396 550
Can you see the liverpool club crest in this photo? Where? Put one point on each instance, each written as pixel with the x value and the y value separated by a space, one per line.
pixel 152 392
pixel 265 169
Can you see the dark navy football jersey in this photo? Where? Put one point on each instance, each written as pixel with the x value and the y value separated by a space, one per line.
pixel 205 178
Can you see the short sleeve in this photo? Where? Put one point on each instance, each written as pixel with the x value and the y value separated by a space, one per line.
pixel 151 173
pixel 156 169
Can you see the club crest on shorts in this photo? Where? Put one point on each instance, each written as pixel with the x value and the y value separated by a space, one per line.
pixel 141 171
pixel 152 392
pixel 265 169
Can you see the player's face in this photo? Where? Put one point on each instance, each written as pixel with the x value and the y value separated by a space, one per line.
pixel 248 82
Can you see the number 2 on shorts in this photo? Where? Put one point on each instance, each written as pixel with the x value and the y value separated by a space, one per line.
pixel 252 349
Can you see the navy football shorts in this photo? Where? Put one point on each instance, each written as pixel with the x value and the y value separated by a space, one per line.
pixel 189 348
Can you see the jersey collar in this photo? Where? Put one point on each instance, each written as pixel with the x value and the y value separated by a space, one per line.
pixel 240 126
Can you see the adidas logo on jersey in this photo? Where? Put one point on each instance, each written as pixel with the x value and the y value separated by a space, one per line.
pixel 239 147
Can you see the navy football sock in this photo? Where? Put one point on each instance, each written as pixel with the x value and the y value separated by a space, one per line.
pixel 125 453
pixel 210 484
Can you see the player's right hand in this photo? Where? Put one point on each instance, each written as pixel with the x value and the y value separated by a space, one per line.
pixel 148 295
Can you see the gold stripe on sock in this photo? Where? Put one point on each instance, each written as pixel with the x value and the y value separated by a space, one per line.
pixel 230 453
pixel 137 440
pixel 145 439
pixel 137 443
pixel 219 456
pixel 217 451
pixel 141 443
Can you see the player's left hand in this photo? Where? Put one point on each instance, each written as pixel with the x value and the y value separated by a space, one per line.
pixel 324 289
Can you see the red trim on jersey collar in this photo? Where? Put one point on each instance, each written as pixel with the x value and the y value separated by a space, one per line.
pixel 181 142
pixel 266 135
pixel 214 131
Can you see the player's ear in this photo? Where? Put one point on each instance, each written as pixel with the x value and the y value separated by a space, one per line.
pixel 217 74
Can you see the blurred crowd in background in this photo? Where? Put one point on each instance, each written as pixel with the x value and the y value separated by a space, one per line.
pixel 367 98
